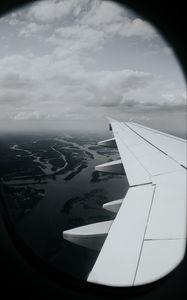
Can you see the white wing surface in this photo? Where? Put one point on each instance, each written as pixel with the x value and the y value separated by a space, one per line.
pixel 147 238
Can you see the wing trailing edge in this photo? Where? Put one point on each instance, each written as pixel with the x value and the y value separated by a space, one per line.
pixel 147 238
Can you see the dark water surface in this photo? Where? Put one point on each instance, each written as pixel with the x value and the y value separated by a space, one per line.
pixel 69 193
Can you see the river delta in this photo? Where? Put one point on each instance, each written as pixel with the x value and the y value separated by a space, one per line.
pixel 50 185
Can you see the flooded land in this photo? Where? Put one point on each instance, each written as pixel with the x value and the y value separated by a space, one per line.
pixel 50 185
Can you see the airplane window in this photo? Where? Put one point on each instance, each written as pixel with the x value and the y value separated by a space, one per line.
pixel 65 67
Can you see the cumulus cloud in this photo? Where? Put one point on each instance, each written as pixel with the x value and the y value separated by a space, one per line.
pixel 59 77
pixel 138 28
pixel 94 23
pixel 96 15
pixel 61 91
pixel 49 11
pixel 23 115
pixel 32 28
pixel 114 20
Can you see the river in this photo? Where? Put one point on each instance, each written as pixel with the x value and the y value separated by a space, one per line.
pixel 42 228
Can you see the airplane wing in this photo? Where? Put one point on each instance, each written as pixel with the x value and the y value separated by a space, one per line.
pixel 147 238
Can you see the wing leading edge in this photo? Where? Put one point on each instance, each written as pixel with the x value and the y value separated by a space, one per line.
pixel 147 238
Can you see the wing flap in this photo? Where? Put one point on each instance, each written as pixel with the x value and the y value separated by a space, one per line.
pixel 168 214
pixel 118 259
pixel 159 258
pixel 144 229
pixel 150 219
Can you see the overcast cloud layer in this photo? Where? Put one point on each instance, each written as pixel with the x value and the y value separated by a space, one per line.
pixel 85 60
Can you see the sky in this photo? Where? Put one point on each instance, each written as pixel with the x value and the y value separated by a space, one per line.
pixel 71 63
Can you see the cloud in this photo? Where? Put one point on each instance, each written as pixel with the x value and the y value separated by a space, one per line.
pixel 138 28
pixel 12 98
pixel 167 103
pixel 32 28
pixel 108 88
pixel 62 90
pixel 104 16
pixel 16 81
pixel 49 11
pixel 61 79
pixel 167 50
pixel 94 23
pixel 77 38
pixel 173 101
pixel 23 115
pixel 103 13
pixel 129 103
pixel 164 50
pixel 114 20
